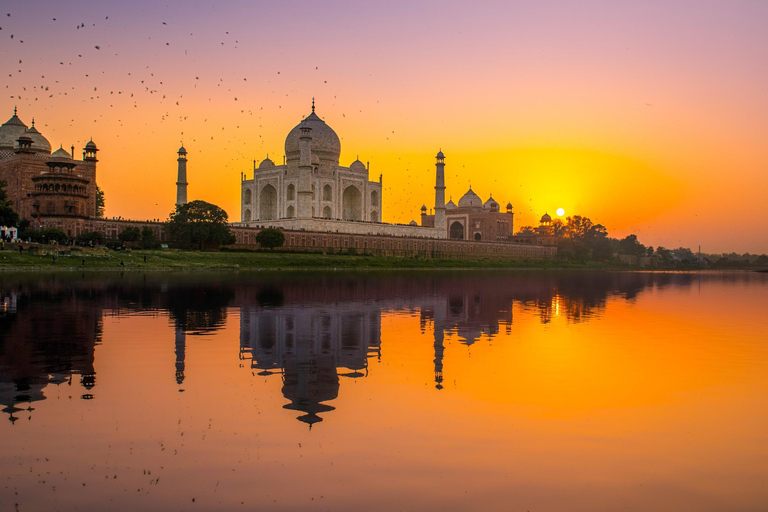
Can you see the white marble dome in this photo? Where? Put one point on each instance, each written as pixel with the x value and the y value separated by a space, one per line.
pixel 450 205
pixel 325 143
pixel 357 165
pixel 267 163
pixel 470 200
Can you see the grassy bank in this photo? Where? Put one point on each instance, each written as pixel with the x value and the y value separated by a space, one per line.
pixel 196 260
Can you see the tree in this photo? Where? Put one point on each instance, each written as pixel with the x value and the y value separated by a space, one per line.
pixel 100 201
pixel 8 217
pixel 130 234
pixel 761 260
pixel 148 240
pixel 269 238
pixel 90 238
pixel 631 246
pixel 199 223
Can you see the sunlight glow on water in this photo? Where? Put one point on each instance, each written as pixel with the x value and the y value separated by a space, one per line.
pixel 384 391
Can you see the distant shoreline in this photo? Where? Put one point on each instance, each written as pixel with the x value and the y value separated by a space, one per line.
pixel 223 261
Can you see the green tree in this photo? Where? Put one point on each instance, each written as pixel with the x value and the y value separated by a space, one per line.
pixel 269 238
pixel 8 217
pixel 100 202
pixel 148 240
pixel 130 234
pixel 198 223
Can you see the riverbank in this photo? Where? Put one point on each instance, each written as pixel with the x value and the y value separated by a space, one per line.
pixel 173 259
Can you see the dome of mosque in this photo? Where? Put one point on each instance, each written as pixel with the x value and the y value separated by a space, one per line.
pixel 267 163
pixel 325 142
pixel 91 146
pixel 11 130
pixel 357 165
pixel 546 218
pixel 39 143
pixel 450 205
pixel 61 155
pixel 491 203
pixel 470 200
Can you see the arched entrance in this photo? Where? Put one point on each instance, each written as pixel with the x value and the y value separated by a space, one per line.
pixel 457 231
pixel 352 202
pixel 268 203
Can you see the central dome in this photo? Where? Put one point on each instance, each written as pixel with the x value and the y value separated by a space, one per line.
pixel 470 200
pixel 325 143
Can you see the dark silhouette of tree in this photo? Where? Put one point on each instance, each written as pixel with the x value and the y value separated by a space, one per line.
pixel 630 245
pixel 270 238
pixel 130 234
pixel 198 223
pixel 8 216
pixel 100 202
pixel 148 240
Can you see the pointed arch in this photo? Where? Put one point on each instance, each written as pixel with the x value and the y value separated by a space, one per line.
pixel 268 203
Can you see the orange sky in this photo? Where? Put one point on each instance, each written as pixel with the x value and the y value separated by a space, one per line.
pixel 645 117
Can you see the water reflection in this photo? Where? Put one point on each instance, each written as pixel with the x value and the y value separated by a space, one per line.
pixel 310 330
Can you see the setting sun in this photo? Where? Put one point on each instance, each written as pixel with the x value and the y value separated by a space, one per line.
pixel 560 212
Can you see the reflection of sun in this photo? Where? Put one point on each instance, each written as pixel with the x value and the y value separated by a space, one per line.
pixel 560 212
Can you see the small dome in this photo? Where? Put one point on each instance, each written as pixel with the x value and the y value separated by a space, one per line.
pixel 491 203
pixel 546 218
pixel 450 205
pixel 91 146
pixel 39 143
pixel 267 163
pixel 182 151
pixel 509 206
pixel 423 207
pixel 61 155
pixel 440 154
pixel 11 131
pixel 357 165
pixel 325 142
pixel 470 200
pixel 412 223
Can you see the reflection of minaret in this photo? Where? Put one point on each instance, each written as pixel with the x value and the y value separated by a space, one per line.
pixel 181 343
pixel 439 324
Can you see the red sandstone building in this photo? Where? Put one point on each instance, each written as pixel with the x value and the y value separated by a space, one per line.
pixel 41 185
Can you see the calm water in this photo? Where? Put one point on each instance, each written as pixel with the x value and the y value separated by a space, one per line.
pixel 514 391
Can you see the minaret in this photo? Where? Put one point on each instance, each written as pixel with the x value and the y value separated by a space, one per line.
pixel 180 350
pixel 181 183
pixel 440 191
pixel 304 192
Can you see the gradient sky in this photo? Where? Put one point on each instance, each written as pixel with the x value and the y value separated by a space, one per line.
pixel 648 117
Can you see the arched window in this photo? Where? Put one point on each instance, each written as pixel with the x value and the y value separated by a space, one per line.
pixel 374 198
pixel 352 204
pixel 374 216
pixel 247 196
pixel 291 193
pixel 268 203
pixel 478 236
pixel 291 212
pixel 313 192
pixel 457 231
pixel 327 211
pixel 247 216
pixel 327 193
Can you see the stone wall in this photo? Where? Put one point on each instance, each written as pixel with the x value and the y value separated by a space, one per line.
pixel 357 228
pixel 325 242
pixel 382 245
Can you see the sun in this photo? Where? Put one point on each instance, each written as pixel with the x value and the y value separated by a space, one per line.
pixel 560 212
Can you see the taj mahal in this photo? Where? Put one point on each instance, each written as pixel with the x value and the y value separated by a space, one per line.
pixel 310 191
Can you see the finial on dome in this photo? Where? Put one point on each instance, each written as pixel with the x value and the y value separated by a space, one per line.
pixel 33 122
pixel 14 110
pixel 313 104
